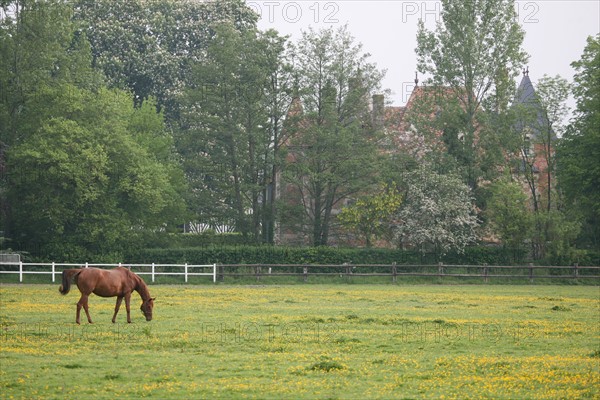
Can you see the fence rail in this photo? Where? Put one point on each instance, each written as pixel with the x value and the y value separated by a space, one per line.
pixel 440 270
pixel 218 272
pixel 186 271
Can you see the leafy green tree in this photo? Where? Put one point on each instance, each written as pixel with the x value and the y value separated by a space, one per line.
pixel 334 80
pixel 553 93
pixel 437 213
pixel 278 98
pixel 554 234
pixel 37 51
pixel 509 215
pixel 371 217
pixel 151 47
pixel 39 46
pixel 539 125
pixel 91 177
pixel 473 54
pixel 538 122
pixel 230 132
pixel 579 149
pixel 84 172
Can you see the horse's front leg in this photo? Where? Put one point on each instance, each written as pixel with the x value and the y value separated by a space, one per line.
pixel 79 305
pixel 127 298
pixel 117 306
pixel 83 302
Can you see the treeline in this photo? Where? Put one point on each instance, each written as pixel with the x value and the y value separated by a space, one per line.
pixel 120 121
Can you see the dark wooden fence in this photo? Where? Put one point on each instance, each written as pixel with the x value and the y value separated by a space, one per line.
pixel 348 272
pixel 396 272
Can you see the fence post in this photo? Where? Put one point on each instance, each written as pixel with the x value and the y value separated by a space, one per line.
pixel 485 273
pixel 394 272
pixel 257 271
pixel 576 270
pixel 53 271
pixel 86 264
pixel 440 269
pixel 530 272
pixel 305 274
pixel 215 273
pixel 348 270
pixel 20 271
pixel 153 270
pixel 186 273
pixel 221 273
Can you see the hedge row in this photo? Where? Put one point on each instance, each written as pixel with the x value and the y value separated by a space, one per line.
pixel 246 254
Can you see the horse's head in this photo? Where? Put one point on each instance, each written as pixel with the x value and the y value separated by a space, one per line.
pixel 147 306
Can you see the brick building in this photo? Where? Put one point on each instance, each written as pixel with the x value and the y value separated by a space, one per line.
pixel 397 126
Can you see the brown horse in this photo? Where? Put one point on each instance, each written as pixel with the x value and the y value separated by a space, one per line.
pixel 118 282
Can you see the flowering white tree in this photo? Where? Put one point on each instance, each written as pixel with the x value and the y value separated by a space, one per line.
pixel 437 212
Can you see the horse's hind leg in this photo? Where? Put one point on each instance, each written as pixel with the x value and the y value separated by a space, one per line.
pixel 119 300
pixel 83 302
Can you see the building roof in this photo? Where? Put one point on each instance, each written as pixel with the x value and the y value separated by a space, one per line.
pixel 525 92
pixel 526 97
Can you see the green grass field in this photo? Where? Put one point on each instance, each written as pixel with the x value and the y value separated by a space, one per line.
pixel 306 341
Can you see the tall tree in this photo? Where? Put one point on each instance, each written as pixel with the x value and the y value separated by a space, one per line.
pixel 538 122
pixel 230 128
pixel 150 47
pixel 85 171
pixel 278 96
pixel 474 51
pixel 538 117
pixel 38 51
pixel 552 93
pixel 579 149
pixel 334 80
pixel 39 46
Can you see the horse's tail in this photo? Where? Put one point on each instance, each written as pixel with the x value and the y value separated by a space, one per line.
pixel 67 276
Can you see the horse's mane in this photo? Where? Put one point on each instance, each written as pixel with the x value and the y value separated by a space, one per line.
pixel 141 287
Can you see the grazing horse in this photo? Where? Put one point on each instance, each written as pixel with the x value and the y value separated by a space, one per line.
pixel 118 282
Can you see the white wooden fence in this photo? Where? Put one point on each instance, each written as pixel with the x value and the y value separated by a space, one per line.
pixel 186 270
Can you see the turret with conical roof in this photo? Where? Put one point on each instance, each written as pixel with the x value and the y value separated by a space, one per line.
pixel 533 116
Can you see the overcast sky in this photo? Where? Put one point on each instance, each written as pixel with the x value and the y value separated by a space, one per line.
pixel 556 31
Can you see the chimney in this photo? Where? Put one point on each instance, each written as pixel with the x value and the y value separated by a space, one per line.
pixel 378 110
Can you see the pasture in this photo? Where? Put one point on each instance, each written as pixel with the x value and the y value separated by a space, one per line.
pixel 306 341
